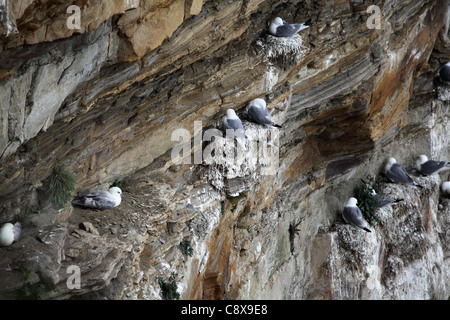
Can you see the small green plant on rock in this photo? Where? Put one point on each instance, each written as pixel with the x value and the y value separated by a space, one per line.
pixel 222 207
pixel 60 185
pixel 239 196
pixel 169 288
pixel 30 209
pixel 234 204
pixel 366 201
pixel 185 247
pixel 293 230
pixel 116 183
pixel 35 291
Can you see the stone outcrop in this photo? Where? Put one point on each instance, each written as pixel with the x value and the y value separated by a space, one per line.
pixel 109 98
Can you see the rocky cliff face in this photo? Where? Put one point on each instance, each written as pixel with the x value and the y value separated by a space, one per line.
pixel 110 96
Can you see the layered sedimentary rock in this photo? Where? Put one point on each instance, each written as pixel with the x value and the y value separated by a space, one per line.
pixel 107 98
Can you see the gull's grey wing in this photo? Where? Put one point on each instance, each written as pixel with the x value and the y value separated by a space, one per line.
pixel 94 203
pixel 259 115
pixel 98 194
pixel 382 200
pixel 226 125
pixel 288 29
pixel 96 200
pixel 432 166
pixel 234 124
pixel 398 174
pixel 353 215
pixel 104 203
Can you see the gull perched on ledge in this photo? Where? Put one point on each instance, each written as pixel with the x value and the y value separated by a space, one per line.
pixel 232 122
pixel 353 215
pixel 397 174
pixel 428 167
pixel 280 28
pixel 100 199
pixel 382 200
pixel 256 111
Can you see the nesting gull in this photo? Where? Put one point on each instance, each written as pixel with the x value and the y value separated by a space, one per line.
pixel 232 122
pixel 397 174
pixel 10 233
pixel 353 215
pixel 280 28
pixel 100 199
pixel 382 200
pixel 256 111
pixel 428 167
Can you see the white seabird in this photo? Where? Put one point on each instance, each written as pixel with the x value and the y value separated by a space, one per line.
pixel 428 167
pixel 256 111
pixel 280 28
pixel 353 215
pixel 100 199
pixel 382 200
pixel 397 174
pixel 232 122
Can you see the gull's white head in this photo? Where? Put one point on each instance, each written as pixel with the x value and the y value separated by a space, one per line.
pixel 259 103
pixel 421 160
pixel 389 164
pixel 274 24
pixel 117 193
pixel 351 202
pixel 373 192
pixel 277 21
pixel 231 114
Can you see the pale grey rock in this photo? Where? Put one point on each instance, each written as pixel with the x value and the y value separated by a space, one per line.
pixel 36 96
